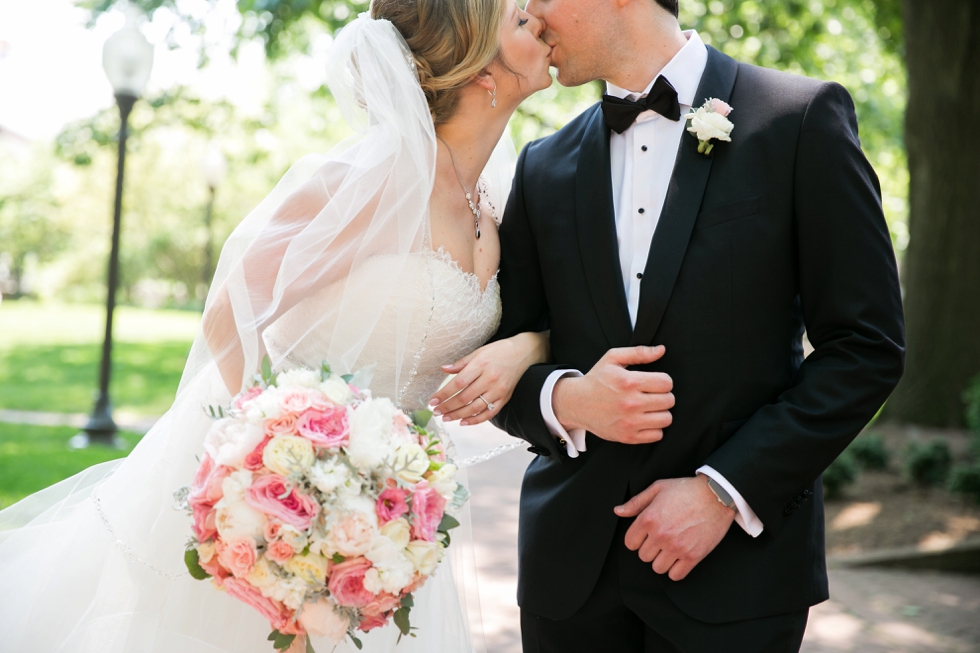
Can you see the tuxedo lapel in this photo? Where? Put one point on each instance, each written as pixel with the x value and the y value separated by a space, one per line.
pixel 599 244
pixel 684 194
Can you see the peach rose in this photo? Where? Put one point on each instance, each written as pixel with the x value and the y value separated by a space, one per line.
pixel 213 567
pixel 285 424
pixel 320 619
pixel 295 399
pixel 237 556
pixel 427 510
pixel 273 530
pixel 352 536
pixel 370 622
pixel 346 583
pixel 325 428
pixel 271 495
pixel 279 552
pixel 382 604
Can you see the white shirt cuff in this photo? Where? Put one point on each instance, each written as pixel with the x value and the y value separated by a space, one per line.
pixel 574 439
pixel 745 518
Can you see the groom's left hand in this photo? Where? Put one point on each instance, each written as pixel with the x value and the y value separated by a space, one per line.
pixel 679 521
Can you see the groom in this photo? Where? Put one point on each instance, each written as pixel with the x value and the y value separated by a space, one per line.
pixel 695 526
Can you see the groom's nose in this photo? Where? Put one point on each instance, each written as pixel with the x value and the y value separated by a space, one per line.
pixel 534 8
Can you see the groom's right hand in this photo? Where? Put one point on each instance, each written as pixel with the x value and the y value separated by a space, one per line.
pixel 615 403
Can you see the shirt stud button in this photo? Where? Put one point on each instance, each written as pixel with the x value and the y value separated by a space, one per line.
pixel 639 275
pixel 644 148
pixel 643 210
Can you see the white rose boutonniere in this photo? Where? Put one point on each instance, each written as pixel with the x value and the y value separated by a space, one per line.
pixel 711 123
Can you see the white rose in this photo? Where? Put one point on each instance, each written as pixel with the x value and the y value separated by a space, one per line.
pixel 424 556
pixel 265 406
pixel 372 581
pixel 398 531
pixel 234 485
pixel 370 426
pixel 237 520
pixel 320 619
pixel 298 378
pixel 410 462
pixel 328 475
pixel 288 453
pixel 229 440
pixel 443 481
pixel 337 390
pixel 708 125
pixel 395 570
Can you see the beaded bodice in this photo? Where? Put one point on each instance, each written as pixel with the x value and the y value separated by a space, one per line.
pixel 451 316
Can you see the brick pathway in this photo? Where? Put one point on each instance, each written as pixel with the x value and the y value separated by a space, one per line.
pixel 871 610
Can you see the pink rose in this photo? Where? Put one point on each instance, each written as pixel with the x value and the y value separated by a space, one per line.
pixel 391 504
pixel 272 530
pixel 253 461
pixel 237 556
pixel 325 428
pixel 278 615
pixel 279 552
pixel 218 573
pixel 246 396
pixel 346 583
pixel 370 622
pixel 285 424
pixel 204 521
pixel 295 400
pixel 427 510
pixel 271 495
pixel 720 106
pixel 320 401
pixel 381 605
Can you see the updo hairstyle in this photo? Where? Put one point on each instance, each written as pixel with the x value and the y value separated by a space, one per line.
pixel 451 40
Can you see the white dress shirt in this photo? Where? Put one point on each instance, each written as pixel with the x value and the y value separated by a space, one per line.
pixel 642 162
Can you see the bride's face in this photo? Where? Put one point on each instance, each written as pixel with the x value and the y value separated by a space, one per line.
pixel 526 55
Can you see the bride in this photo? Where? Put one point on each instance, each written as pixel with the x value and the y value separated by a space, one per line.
pixel 381 254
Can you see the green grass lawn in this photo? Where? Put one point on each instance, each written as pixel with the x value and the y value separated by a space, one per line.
pixel 34 457
pixel 50 354
pixel 49 361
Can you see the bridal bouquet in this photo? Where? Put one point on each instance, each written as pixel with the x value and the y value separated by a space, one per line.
pixel 320 506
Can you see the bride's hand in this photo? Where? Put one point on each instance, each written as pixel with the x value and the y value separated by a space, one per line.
pixel 485 380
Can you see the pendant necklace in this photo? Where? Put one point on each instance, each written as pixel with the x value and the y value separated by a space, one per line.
pixel 475 208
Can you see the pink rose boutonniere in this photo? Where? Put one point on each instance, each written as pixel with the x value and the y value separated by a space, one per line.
pixel 710 123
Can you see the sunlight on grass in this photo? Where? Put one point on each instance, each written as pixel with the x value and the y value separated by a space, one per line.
pixel 34 457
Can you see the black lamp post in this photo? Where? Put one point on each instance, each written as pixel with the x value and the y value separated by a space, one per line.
pixel 127 58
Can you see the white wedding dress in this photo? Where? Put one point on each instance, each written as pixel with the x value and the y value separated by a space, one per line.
pixel 95 564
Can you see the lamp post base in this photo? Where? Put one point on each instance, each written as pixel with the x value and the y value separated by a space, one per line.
pixel 101 430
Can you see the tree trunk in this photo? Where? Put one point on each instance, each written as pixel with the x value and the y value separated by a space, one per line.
pixel 942 274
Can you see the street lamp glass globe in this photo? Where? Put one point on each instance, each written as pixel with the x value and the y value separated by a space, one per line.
pixel 215 166
pixel 128 58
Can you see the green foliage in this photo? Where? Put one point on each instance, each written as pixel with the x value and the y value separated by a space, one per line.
pixel 870 452
pixel 34 457
pixel 965 479
pixel 928 464
pixel 281 641
pixel 841 473
pixel 193 563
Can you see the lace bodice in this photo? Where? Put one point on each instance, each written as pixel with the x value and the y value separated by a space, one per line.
pixel 451 316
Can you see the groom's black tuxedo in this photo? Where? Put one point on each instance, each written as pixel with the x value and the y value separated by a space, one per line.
pixel 779 231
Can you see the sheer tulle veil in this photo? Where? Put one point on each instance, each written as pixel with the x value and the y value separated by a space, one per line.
pixel 95 562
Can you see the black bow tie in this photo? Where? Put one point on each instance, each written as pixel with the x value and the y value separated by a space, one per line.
pixel 621 113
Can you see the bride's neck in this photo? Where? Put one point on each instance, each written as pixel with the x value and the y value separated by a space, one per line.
pixel 472 133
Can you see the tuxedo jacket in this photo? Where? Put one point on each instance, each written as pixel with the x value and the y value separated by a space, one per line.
pixel 779 232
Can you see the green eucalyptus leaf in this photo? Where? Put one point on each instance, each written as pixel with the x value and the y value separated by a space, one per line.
pixel 448 522
pixel 421 417
pixel 193 562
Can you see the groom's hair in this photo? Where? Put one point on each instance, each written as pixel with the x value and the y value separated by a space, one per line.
pixel 669 5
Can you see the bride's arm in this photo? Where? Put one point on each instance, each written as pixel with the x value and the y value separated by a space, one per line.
pixel 491 372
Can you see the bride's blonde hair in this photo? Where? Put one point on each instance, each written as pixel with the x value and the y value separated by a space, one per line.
pixel 451 40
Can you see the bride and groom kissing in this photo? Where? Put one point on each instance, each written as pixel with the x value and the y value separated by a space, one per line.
pixel 660 259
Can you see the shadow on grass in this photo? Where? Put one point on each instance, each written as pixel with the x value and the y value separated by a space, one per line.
pixel 34 457
pixel 64 378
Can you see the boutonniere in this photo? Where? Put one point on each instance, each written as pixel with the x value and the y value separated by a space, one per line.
pixel 711 123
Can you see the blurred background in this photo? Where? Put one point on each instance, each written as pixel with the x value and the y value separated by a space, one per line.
pixel 236 94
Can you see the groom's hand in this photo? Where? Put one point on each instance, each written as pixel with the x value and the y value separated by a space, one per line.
pixel 679 521
pixel 615 403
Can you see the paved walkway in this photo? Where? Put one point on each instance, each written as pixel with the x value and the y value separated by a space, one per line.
pixel 871 610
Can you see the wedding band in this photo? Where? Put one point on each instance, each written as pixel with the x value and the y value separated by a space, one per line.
pixel 489 405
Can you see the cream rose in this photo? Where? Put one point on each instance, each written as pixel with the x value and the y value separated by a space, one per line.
pixel 398 531
pixel 288 453
pixel 337 390
pixel 229 440
pixel 205 551
pixel 410 462
pixel 443 481
pixel 311 568
pixel 262 575
pixel 353 534
pixel 237 520
pixel 424 556
pixel 298 378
